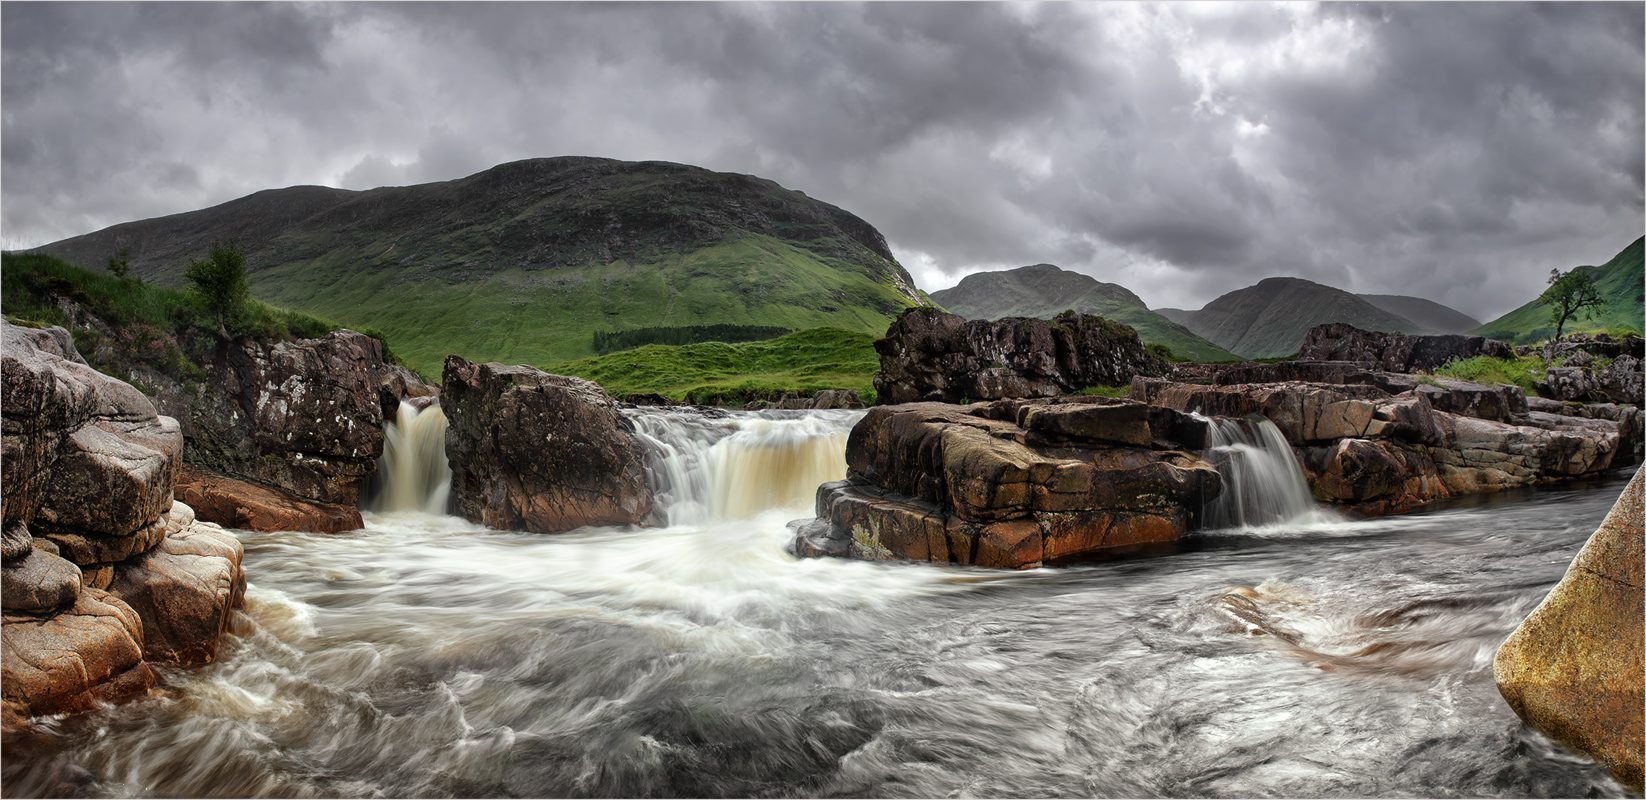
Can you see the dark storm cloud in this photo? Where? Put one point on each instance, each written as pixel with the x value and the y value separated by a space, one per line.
pixel 1451 151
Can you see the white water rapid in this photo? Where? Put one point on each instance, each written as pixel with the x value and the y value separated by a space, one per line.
pixel 426 656
pixel 412 474
pixel 707 469
pixel 1263 486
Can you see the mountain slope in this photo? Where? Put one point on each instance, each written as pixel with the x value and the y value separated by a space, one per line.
pixel 1270 319
pixel 1620 282
pixel 1044 290
pixel 1426 313
pixel 523 262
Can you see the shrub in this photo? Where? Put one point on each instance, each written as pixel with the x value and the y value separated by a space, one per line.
pixel 219 285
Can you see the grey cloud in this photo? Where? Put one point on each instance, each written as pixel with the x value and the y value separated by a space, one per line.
pixel 1456 151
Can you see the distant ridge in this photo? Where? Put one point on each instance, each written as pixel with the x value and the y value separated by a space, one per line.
pixel 1427 313
pixel 1270 319
pixel 1045 290
pixel 523 262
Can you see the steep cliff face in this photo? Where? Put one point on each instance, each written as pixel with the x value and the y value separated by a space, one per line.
pixel 103 572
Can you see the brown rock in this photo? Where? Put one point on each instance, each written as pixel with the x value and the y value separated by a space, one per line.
pixel 539 452
pixel 40 581
pixel 66 662
pixel 89 548
pixel 237 504
pixel 928 355
pixel 112 478
pixel 184 591
pixel 1574 667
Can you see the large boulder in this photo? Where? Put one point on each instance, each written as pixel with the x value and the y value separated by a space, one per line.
pixel 1010 484
pixel 928 355
pixel 1574 667
pixel 68 661
pixel 184 591
pixel 237 504
pixel 539 452
pixel 1395 352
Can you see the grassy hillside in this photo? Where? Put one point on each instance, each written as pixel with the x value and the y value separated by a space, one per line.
pixel 1620 281
pixel 159 326
pixel 522 263
pixel 1270 319
pixel 1044 290
pixel 1426 313
pixel 801 362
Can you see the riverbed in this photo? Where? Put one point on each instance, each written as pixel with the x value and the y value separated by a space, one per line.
pixel 426 656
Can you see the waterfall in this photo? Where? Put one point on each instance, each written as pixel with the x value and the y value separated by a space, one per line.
pixel 705 469
pixel 1262 482
pixel 412 474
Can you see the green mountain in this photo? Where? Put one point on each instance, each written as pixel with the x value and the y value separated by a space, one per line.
pixel 1044 290
pixel 524 262
pixel 1426 313
pixel 1270 319
pixel 1620 281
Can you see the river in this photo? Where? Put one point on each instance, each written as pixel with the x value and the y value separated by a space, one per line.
pixel 426 656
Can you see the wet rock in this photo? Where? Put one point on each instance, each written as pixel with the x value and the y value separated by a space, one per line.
pixel 89 548
pixel 396 383
pixel 928 355
pixel 539 452
pixel 1574 667
pixel 1007 484
pixel 68 661
pixel 650 399
pixel 183 591
pixel 304 416
pixel 39 581
pixel 238 504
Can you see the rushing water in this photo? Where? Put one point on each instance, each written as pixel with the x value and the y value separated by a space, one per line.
pixel 425 656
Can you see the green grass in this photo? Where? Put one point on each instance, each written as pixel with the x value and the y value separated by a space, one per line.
pixel 150 323
pixel 1104 391
pixel 1522 372
pixel 718 373
pixel 547 316
pixel 1619 281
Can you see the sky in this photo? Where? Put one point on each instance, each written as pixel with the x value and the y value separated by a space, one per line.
pixel 1456 152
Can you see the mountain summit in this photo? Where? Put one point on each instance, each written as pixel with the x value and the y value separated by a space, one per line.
pixel 523 262
pixel 1044 290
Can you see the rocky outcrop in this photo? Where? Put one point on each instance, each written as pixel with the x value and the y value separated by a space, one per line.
pixel 1574 667
pixel 824 398
pixel 928 355
pixel 238 504
pixel 396 383
pixel 1395 352
pixel 1380 453
pixel 304 416
pixel 96 551
pixel 1011 484
pixel 539 452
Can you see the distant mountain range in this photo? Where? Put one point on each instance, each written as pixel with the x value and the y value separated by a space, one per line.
pixel 522 263
pixel 1620 281
pixel 1044 291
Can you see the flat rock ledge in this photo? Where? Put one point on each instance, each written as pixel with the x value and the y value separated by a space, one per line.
pixel 1573 668
pixel 1011 484
pixel 235 503
pixel 1380 443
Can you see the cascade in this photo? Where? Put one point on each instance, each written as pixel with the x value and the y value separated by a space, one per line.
pixel 1262 482
pixel 412 474
pixel 704 469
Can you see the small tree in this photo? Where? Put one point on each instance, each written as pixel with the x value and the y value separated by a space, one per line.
pixel 1570 293
pixel 219 283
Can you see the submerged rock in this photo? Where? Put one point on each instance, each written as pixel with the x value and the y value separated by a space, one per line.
pixel 539 452
pixel 1574 667
pixel 68 661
